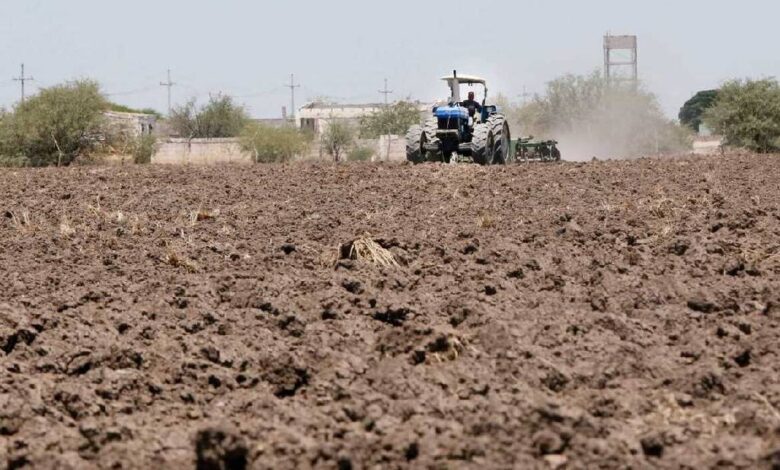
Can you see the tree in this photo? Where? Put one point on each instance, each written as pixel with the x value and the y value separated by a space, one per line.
pixel 272 144
pixel 338 138
pixel 692 111
pixel 747 114
pixel 220 117
pixel 395 119
pixel 54 126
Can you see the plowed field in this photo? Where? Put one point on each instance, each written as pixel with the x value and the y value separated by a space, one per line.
pixel 605 314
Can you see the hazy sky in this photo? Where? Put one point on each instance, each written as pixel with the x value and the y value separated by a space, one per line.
pixel 343 49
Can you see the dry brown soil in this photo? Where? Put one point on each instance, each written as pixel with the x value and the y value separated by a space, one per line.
pixel 606 314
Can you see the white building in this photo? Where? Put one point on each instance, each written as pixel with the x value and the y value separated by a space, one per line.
pixel 133 124
pixel 316 116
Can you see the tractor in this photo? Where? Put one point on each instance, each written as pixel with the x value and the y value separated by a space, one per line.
pixel 452 131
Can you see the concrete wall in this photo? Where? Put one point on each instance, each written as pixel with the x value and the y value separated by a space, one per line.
pixel 390 148
pixel 211 151
pixel 200 151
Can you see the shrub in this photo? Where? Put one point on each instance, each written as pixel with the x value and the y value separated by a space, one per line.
pixel 55 126
pixel 747 114
pixel 360 153
pixel 271 144
pixel 395 120
pixel 338 137
pixel 143 148
pixel 220 118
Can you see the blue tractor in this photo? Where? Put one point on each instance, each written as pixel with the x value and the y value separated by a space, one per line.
pixel 456 129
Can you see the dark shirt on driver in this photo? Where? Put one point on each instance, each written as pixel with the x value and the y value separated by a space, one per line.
pixel 472 106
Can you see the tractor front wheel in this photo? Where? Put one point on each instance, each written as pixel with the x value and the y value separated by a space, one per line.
pixel 415 142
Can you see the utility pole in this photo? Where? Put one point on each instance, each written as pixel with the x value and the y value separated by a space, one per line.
pixel 169 84
pixel 525 96
pixel 292 86
pixel 386 92
pixel 21 79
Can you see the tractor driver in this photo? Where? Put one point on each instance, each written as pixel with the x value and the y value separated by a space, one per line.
pixel 472 105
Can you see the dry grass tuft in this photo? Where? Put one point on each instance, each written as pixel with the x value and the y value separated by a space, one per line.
pixel 663 208
pixel 22 221
pixel 366 249
pixel 66 229
pixel 202 214
pixel 120 218
pixel 486 221
pixel 176 260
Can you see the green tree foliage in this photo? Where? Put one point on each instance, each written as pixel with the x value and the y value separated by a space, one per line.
pixel 338 138
pixel 220 117
pixel 747 114
pixel 692 111
pixel 273 144
pixel 120 108
pixel 360 153
pixel 395 119
pixel 591 117
pixel 54 126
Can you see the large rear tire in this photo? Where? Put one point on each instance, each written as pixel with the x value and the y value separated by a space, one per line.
pixel 482 144
pixel 501 139
pixel 415 140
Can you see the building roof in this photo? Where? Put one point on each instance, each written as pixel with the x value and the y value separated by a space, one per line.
pixel 320 105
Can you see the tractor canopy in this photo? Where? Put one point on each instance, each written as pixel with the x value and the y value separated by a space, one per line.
pixel 465 79
pixel 456 80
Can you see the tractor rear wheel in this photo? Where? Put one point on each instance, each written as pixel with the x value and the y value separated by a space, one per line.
pixel 415 140
pixel 501 139
pixel 482 144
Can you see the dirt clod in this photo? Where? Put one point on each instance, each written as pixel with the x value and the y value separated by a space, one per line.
pixel 220 449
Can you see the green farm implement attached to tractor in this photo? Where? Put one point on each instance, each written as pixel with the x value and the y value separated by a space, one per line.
pixel 529 150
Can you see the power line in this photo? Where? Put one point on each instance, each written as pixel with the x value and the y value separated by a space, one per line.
pixel 131 92
pixel 292 86
pixel 169 84
pixel 386 92
pixel 21 79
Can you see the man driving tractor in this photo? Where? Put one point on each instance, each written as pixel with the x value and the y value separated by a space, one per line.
pixel 472 105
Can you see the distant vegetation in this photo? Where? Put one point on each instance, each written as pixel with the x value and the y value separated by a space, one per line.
pixel 360 153
pixel 395 119
pixel 274 144
pixel 693 110
pixel 747 114
pixel 219 118
pixel 54 126
pixel 338 139
pixel 143 148
pixel 120 108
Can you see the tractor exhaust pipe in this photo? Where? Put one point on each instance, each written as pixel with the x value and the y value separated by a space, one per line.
pixel 455 86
